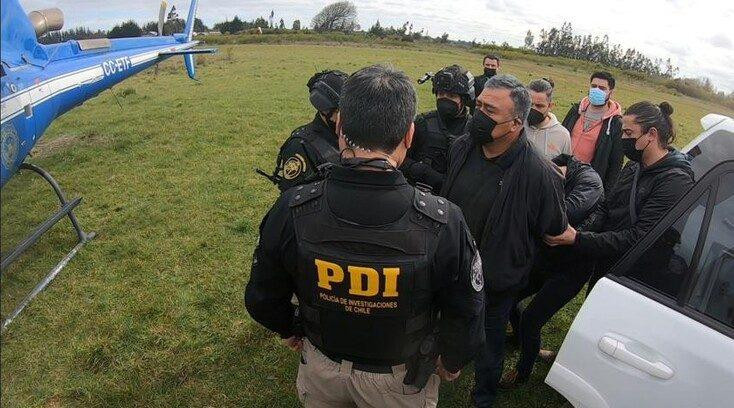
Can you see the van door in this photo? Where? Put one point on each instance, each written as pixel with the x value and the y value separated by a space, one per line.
pixel 658 330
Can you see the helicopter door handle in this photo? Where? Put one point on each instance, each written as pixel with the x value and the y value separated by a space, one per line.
pixel 618 350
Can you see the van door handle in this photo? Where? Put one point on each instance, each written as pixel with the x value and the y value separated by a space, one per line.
pixel 618 350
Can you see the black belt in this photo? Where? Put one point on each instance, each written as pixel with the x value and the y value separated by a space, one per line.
pixel 370 368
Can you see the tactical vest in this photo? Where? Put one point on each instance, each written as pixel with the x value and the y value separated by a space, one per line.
pixel 317 148
pixel 436 143
pixel 365 292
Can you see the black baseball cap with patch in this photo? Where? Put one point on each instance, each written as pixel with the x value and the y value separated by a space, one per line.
pixel 325 88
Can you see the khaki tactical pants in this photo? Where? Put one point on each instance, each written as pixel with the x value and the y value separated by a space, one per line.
pixel 323 383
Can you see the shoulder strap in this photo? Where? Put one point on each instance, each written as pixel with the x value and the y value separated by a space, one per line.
pixel 319 153
pixel 306 193
pixel 433 207
pixel 326 152
pixel 613 122
pixel 633 196
pixel 300 132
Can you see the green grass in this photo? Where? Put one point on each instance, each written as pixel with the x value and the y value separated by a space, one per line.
pixel 150 313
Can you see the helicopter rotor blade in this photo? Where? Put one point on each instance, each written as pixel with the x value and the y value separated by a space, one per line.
pixel 161 17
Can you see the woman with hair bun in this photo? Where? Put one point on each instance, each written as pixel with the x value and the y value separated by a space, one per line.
pixel 653 180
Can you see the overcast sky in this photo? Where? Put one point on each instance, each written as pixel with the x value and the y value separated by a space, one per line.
pixel 696 34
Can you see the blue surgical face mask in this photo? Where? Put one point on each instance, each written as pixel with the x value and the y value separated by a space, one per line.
pixel 597 97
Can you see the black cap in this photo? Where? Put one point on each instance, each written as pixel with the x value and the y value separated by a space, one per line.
pixel 325 88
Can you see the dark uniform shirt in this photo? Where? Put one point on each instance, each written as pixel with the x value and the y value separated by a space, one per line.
pixel 528 205
pixel 307 148
pixel 427 158
pixel 479 84
pixel 367 201
pixel 477 193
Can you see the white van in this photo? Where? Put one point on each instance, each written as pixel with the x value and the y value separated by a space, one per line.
pixel 666 341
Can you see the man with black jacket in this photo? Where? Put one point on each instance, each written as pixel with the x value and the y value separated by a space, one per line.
pixel 595 125
pixel 511 196
pixel 583 188
pixel 490 67
pixel 558 275
pixel 388 279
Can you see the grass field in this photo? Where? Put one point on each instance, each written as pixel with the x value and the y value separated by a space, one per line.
pixel 150 313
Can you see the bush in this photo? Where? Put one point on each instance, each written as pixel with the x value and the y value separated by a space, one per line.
pixel 700 88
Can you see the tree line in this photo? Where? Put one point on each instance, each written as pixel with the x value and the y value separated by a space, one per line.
pixel 341 16
pixel 78 33
pixel 237 25
pixel 562 42
pixel 123 30
pixel 403 33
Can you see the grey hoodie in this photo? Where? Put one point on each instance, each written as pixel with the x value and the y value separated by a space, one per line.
pixel 550 139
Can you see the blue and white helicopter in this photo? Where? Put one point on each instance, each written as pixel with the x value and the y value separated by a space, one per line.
pixel 41 82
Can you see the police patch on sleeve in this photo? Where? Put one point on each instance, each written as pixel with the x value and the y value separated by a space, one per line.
pixel 293 167
pixel 477 274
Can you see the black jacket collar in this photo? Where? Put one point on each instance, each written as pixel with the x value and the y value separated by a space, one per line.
pixel 506 159
pixel 342 174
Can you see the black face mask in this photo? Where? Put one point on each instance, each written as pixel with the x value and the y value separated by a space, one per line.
pixel 490 72
pixel 447 108
pixel 630 150
pixel 535 117
pixel 482 127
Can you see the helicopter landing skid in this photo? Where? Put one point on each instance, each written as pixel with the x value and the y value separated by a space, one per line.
pixel 67 208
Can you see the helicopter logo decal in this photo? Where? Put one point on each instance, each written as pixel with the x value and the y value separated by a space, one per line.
pixel 9 141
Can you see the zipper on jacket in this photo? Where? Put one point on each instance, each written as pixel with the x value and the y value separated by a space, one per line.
pixel 494 210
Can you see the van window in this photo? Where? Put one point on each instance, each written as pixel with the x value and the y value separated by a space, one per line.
pixel 713 294
pixel 665 265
